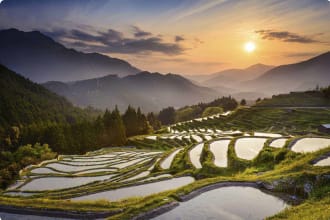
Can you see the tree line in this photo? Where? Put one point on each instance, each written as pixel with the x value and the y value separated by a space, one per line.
pixel 108 129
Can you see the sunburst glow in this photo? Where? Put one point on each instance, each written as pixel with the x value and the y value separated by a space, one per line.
pixel 249 47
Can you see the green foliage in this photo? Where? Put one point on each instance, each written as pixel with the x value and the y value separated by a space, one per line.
pixel 12 162
pixel 186 114
pixel 212 111
pixel 114 127
pixel 24 102
pixel 153 121
pixel 243 102
pixel 326 92
pixel 290 121
pixel 234 163
pixel 167 116
pixel 308 98
pixel 135 122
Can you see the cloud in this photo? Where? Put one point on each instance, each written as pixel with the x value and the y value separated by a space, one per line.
pixel 303 54
pixel 178 38
pixel 140 33
pixel 286 36
pixel 113 41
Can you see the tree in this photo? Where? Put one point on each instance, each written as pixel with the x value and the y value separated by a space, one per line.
pixel 130 120
pixel 153 121
pixel 143 124
pixel 243 102
pixel 117 128
pixel 167 116
pixel 326 92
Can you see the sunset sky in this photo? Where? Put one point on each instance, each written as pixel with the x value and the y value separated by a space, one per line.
pixel 180 36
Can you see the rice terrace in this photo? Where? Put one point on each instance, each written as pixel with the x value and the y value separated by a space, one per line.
pixel 164 110
pixel 173 168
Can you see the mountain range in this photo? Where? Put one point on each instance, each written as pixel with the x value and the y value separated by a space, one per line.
pixel 299 76
pixel 232 77
pixel 39 58
pixel 263 80
pixel 91 79
pixel 150 91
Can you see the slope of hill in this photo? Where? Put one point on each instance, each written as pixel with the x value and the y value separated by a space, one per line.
pixel 25 102
pixel 297 99
pixel 232 77
pixel 150 91
pixel 293 77
pixel 41 59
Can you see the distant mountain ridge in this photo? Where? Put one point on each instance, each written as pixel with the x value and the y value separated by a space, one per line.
pixel 150 91
pixel 40 58
pixel 232 77
pixel 294 77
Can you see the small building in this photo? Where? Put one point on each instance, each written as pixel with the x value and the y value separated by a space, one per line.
pixel 325 128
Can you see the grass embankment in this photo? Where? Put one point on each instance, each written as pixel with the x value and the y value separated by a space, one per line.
pixel 279 168
pixel 293 170
pixel 296 99
pixel 287 121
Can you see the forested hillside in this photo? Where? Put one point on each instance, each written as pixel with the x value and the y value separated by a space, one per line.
pixel 25 102
pixel 36 124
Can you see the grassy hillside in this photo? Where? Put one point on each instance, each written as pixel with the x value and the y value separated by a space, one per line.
pixel 296 99
pixel 267 119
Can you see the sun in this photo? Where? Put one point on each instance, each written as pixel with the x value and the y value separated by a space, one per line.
pixel 249 47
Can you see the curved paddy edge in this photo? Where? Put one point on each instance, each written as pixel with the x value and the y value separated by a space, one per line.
pixel 195 193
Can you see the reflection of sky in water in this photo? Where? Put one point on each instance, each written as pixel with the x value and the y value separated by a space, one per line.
pixel 230 203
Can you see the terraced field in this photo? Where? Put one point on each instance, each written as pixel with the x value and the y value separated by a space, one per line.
pixel 158 170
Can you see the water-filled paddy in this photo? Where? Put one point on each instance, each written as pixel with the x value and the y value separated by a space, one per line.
pixel 55 183
pixel 230 203
pixel 305 145
pixel 266 134
pixel 278 143
pixel 157 177
pixel 129 163
pixel 96 171
pixel 219 149
pixel 91 163
pixel 139 190
pixel 138 176
pixel 166 164
pixel 152 138
pixel 44 170
pixel 248 148
pixel 195 155
pixel 197 138
pixel 324 162
pixel 70 168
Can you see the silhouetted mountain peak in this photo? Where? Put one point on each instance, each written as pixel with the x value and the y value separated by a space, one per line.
pixel 40 58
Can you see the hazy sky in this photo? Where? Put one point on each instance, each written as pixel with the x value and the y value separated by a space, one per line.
pixel 180 36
